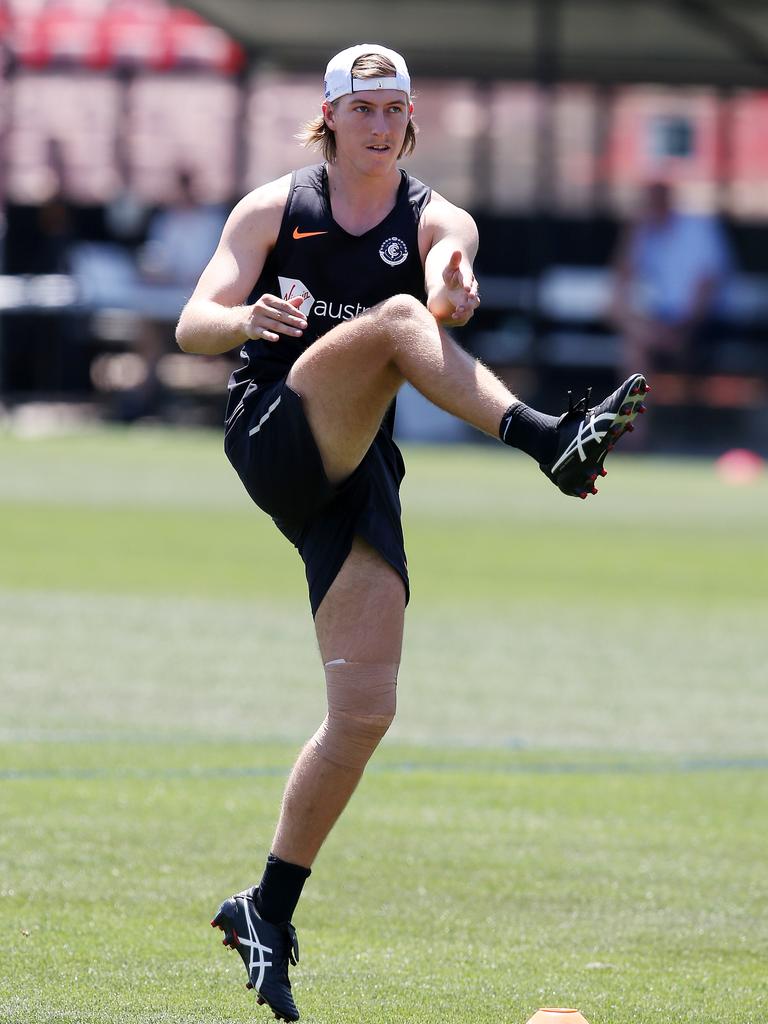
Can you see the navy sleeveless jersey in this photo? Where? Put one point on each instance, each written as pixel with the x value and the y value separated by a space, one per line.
pixel 339 275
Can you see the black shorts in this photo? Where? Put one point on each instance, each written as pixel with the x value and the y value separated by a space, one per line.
pixel 269 442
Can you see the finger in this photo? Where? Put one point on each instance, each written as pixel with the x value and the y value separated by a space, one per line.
pixel 274 326
pixel 276 319
pixel 266 328
pixel 464 310
pixel 289 309
pixel 292 332
pixel 452 272
pixel 291 322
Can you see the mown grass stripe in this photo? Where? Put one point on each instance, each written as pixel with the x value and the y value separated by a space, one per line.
pixel 406 767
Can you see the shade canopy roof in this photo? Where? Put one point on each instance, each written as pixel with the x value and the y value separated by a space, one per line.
pixel 664 41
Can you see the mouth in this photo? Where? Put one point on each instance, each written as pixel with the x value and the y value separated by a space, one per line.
pixel 379 148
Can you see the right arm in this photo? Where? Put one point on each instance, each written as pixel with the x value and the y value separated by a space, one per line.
pixel 215 319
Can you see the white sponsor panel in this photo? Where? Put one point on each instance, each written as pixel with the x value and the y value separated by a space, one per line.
pixel 291 287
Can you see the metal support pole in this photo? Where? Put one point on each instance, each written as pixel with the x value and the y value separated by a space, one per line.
pixel 547 63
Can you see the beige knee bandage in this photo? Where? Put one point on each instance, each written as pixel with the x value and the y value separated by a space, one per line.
pixel 361 706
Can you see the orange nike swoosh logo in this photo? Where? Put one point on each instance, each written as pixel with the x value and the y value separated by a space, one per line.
pixel 307 234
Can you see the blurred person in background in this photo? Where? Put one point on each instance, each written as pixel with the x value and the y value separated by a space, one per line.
pixel 670 269
pixel 42 350
pixel 337 282
pixel 47 246
pixel 180 238
pixel 55 235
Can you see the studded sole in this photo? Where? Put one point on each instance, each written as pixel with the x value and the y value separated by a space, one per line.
pixel 584 483
pixel 224 921
pixel 622 424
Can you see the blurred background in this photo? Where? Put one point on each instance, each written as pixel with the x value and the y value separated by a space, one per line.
pixel 578 767
pixel 614 155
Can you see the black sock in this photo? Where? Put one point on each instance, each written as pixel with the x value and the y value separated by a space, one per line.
pixel 532 432
pixel 279 889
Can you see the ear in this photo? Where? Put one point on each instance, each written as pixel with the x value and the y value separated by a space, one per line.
pixel 410 110
pixel 329 115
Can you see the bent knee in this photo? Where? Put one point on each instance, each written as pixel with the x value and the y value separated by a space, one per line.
pixel 400 310
pixel 362 700
pixel 348 741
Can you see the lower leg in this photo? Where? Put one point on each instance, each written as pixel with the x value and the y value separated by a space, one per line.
pixel 315 795
pixel 426 356
pixel 450 378
pixel 361 618
pixel 323 779
pixel 317 791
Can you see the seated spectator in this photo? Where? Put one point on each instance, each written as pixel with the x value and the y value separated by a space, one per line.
pixel 181 239
pixel 670 271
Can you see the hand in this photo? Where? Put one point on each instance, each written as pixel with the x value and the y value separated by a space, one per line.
pixel 461 291
pixel 272 316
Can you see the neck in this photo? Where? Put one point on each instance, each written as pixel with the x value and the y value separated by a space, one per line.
pixel 362 191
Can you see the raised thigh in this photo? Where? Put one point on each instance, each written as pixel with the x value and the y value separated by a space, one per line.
pixel 361 617
pixel 346 380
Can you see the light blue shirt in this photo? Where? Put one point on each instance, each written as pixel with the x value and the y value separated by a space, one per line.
pixel 670 259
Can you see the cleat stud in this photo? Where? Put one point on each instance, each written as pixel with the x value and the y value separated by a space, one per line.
pixel 641 409
pixel 629 428
pixel 594 490
pixel 248 985
pixel 603 472
pixel 583 495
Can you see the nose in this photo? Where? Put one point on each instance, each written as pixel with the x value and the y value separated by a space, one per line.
pixel 379 123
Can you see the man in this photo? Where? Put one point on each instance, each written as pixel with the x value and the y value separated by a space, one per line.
pixel 356 269
pixel 669 275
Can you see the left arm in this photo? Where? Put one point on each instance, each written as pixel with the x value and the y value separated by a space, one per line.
pixel 448 242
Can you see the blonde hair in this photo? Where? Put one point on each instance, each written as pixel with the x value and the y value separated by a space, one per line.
pixel 316 134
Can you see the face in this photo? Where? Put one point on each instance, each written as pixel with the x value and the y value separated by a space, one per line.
pixel 370 128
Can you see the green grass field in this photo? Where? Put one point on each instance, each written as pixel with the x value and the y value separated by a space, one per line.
pixel 571 808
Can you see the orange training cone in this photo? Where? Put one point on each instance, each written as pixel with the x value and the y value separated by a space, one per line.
pixel 557 1015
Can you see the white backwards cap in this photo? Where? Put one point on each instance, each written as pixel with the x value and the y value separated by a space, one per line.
pixel 338 74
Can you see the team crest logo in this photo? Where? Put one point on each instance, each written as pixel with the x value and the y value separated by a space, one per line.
pixel 394 251
pixel 291 287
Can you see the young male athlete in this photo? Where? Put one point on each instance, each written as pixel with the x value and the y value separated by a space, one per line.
pixel 338 281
